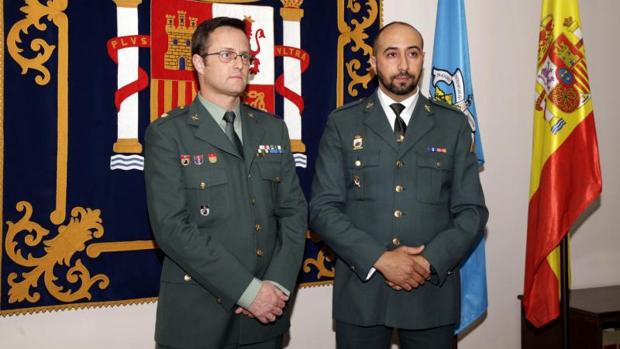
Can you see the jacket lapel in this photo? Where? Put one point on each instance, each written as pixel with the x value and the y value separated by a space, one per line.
pixel 419 125
pixel 252 134
pixel 376 120
pixel 208 130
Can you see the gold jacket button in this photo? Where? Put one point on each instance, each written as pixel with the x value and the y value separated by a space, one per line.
pixel 358 163
pixel 259 252
pixel 187 278
pixel 278 180
pixel 203 185
pixel 218 300
pixel 253 201
pixel 398 213
pixel 399 163
pixel 438 163
pixel 396 241
pixel 399 188
pixel 258 227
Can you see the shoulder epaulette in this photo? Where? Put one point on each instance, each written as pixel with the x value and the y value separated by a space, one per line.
pixel 258 110
pixel 445 104
pixel 468 118
pixel 350 104
pixel 176 112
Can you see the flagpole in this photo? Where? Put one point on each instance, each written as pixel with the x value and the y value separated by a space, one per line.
pixel 565 291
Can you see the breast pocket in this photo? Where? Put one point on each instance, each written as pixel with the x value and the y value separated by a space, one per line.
pixel 362 174
pixel 433 178
pixel 208 194
pixel 270 180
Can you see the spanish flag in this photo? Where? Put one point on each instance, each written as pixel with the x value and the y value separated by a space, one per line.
pixel 566 175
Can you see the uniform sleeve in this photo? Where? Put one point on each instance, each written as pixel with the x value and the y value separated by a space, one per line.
pixel 203 258
pixel 250 293
pixel 356 247
pixel 291 212
pixel 467 208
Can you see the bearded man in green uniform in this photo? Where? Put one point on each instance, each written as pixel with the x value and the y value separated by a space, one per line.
pixel 225 207
pixel 397 196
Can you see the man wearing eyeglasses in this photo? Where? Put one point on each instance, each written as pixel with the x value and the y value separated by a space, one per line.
pixel 229 216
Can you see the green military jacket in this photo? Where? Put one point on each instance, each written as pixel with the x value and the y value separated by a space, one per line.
pixel 221 220
pixel 371 194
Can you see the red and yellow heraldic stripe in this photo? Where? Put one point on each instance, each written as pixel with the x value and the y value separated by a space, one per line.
pixel 566 175
pixel 173 81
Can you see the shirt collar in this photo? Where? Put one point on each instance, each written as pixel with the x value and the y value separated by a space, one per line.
pixel 409 104
pixel 217 112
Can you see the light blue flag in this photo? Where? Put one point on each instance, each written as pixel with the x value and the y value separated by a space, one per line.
pixel 451 82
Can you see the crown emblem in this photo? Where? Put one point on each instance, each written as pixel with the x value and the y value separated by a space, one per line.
pixel 292 3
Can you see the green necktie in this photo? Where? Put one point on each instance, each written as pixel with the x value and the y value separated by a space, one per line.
pixel 229 117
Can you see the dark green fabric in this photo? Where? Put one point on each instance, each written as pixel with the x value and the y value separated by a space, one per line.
pixel 380 337
pixel 211 255
pixel 354 202
pixel 349 336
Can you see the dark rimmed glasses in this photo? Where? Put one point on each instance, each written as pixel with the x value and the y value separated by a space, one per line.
pixel 227 56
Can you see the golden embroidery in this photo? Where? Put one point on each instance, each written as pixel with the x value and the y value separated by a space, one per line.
pixel 1 135
pixel 44 309
pixel 34 12
pixel 84 225
pixel 323 256
pixel 291 10
pixel 357 71
pixel 96 249
pixel 127 3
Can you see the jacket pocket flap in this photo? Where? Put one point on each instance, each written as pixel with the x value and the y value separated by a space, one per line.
pixel 360 159
pixel 269 170
pixel 438 163
pixel 205 179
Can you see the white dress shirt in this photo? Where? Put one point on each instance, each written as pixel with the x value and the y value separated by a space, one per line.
pixel 409 104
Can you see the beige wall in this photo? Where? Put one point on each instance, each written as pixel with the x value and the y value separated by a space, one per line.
pixel 503 40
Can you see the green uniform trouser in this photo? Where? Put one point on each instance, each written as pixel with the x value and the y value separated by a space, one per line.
pixel 349 336
pixel 273 343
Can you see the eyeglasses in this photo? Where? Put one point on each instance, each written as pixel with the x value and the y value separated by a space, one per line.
pixel 227 56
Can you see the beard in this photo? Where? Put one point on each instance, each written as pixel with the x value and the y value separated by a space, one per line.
pixel 400 89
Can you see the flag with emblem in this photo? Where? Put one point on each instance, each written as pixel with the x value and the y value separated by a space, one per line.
pixel 172 75
pixel 565 174
pixel 74 229
pixel 451 83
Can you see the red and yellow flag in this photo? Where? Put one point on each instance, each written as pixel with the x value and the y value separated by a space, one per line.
pixel 566 175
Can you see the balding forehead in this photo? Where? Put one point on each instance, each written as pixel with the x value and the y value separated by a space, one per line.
pixel 399 27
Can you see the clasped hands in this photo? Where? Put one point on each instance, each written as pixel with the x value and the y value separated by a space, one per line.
pixel 268 304
pixel 404 267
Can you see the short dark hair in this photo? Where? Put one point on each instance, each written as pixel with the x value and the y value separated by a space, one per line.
pixel 374 43
pixel 202 32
